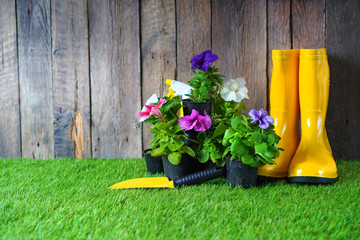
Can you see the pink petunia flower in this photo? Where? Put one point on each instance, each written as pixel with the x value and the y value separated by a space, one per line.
pixel 151 110
pixel 195 121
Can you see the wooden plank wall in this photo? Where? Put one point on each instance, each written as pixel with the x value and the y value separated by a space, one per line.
pixel 80 70
pixel 35 79
pixel 10 140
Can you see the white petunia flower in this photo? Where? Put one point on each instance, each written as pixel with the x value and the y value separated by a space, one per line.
pixel 234 90
pixel 152 100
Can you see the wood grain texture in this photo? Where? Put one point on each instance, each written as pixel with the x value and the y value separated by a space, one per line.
pixel 193 21
pixel 34 40
pixel 308 24
pixel 158 50
pixel 70 73
pixel 239 39
pixel 10 144
pixel 278 30
pixel 343 48
pixel 115 78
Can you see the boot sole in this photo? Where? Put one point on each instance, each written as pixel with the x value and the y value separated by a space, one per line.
pixel 312 180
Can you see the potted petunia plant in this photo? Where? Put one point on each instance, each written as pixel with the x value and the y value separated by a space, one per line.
pixel 226 107
pixel 213 131
pixel 194 124
pixel 250 142
pixel 168 141
pixel 206 83
pixel 151 114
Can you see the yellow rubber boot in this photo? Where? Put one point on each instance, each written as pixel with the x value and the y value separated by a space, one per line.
pixel 284 108
pixel 313 161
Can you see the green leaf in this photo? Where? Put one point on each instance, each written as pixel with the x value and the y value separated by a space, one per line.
pixel 203 156
pixel 157 152
pixel 240 107
pixel 154 140
pixel 238 149
pixel 265 159
pixel 175 145
pixel 215 155
pixel 229 133
pixel 188 150
pixel 227 150
pixel 174 158
pixel 247 159
pixel 247 143
pixel 260 148
pixel 203 90
pixel 220 130
pixel 269 154
pixel 270 139
pixel 167 106
pixel 236 123
pixel 256 137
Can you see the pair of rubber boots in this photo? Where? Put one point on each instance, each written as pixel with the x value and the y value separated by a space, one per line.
pixel 300 84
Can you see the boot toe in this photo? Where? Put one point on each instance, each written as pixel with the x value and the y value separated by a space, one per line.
pixel 313 170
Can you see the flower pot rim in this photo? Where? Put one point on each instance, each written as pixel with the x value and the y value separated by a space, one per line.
pixel 229 157
pixel 146 150
pixel 189 100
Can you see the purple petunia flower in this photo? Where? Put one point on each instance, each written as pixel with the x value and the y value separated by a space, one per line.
pixel 203 60
pixel 262 117
pixel 195 121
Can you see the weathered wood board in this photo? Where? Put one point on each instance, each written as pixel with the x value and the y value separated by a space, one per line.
pixel 10 143
pixel 278 31
pixel 239 39
pixel 101 60
pixel 308 24
pixel 193 26
pixel 70 56
pixel 35 75
pixel 158 51
pixel 343 48
pixel 115 78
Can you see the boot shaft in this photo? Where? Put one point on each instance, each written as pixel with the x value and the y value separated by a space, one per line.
pixel 314 78
pixel 314 81
pixel 284 94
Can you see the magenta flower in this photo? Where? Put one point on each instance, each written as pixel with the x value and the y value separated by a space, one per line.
pixel 151 110
pixel 195 121
pixel 203 60
pixel 262 117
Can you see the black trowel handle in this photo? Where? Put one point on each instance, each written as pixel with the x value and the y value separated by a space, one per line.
pixel 200 177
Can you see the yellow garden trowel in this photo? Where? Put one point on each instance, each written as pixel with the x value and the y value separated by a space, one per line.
pixel 164 182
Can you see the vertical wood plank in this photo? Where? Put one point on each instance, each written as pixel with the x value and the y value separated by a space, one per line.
pixel 308 24
pixel 158 50
pixel 115 78
pixel 193 21
pixel 343 48
pixel 278 30
pixel 239 38
pixel 34 40
pixel 10 144
pixel 70 73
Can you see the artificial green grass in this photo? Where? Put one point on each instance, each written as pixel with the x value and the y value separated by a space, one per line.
pixel 69 199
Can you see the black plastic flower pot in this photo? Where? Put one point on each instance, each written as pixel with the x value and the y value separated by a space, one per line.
pixel 153 164
pixel 240 174
pixel 202 107
pixel 185 167
pixel 191 134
